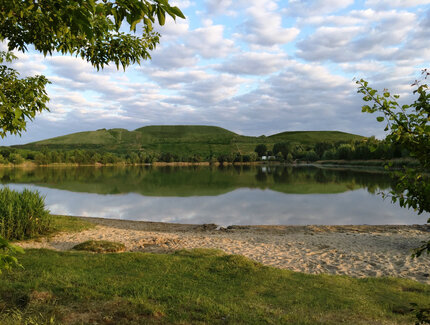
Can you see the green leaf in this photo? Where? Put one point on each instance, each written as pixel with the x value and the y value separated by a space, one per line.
pixel 177 12
pixel 161 16
pixel 380 119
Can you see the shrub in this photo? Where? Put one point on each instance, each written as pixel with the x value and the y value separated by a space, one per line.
pixel 311 156
pixel 345 151
pixel 100 246
pixel 16 159
pixel 22 214
pixel 7 260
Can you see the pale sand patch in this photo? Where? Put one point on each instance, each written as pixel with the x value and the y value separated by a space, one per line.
pixel 357 251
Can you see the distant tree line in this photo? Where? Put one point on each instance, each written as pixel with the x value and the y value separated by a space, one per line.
pixel 371 148
pixel 368 149
pixel 90 157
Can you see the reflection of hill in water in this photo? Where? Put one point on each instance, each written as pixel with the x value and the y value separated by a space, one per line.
pixel 197 181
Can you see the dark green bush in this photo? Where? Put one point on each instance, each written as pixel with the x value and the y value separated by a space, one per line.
pixel 100 246
pixel 22 214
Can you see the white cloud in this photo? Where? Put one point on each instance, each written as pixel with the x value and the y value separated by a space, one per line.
pixel 182 4
pixel 208 91
pixel 173 57
pixel 215 7
pixel 209 42
pixel 315 7
pixel 254 63
pixel 263 28
pixel 171 30
pixel 395 3
pixel 380 40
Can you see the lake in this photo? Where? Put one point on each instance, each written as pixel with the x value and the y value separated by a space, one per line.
pixel 240 195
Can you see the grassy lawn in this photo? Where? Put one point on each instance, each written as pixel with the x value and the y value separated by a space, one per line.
pixel 68 224
pixel 193 287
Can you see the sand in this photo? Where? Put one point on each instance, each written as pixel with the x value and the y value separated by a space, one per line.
pixel 358 251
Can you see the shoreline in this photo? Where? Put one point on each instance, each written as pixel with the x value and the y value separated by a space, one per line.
pixel 326 164
pixel 358 251
pixel 30 165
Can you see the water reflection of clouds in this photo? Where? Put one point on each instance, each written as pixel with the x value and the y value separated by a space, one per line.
pixel 242 206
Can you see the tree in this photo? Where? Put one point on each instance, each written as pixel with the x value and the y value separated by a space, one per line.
pixel 321 147
pixel 282 147
pixel 344 151
pixel 90 29
pixel 261 150
pixel 409 127
pixel 20 99
pixel 311 156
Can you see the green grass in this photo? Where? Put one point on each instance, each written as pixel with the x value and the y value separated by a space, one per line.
pixel 68 224
pixel 194 287
pixel 182 140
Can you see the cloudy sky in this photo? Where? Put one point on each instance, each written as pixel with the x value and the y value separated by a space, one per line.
pixel 252 66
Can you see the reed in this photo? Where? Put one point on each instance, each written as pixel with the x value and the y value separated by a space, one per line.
pixel 22 214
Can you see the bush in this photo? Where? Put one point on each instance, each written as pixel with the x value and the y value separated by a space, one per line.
pixel 22 214
pixel 345 151
pixel 16 159
pixel 100 246
pixel 7 260
pixel 311 156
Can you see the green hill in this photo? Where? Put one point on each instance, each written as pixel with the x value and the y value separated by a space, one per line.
pixel 181 139
pixel 312 137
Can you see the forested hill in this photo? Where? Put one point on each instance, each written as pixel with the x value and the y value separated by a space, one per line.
pixel 180 139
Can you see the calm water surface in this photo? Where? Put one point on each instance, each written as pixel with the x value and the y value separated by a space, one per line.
pixel 225 196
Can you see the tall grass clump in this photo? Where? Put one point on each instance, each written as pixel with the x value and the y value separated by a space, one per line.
pixel 22 214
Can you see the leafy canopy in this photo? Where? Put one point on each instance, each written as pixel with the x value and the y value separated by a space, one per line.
pixel 409 126
pixel 88 28
pixel 20 99
pixel 93 30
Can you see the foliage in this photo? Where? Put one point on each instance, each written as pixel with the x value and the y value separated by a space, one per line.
pixel 195 152
pixel 100 246
pixel 281 147
pixel 7 260
pixel 311 156
pixel 20 98
pixel 90 29
pixel 22 214
pixel 344 151
pixel 16 159
pixel 422 314
pixel 261 150
pixel 409 126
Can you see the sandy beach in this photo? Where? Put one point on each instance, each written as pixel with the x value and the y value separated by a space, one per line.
pixel 357 251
